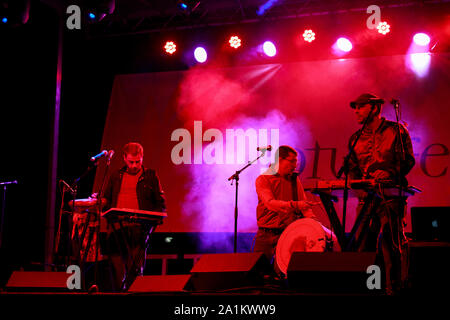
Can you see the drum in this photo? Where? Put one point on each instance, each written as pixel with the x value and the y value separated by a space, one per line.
pixel 305 235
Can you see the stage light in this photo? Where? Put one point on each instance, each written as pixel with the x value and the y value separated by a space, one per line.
pixel 170 47
pixel 419 63
pixel 383 28
pixel 99 9
pixel 269 49
pixel 265 6
pixel 421 39
pixel 235 42
pixel 344 44
pixel 309 36
pixel 188 6
pixel 200 54
pixel 15 13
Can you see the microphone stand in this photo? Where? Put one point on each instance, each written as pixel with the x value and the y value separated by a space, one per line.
pixel 235 177
pixel 4 184
pixel 99 215
pixel 345 170
pixel 396 104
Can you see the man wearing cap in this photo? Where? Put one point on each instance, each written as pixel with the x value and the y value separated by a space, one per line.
pixel 383 152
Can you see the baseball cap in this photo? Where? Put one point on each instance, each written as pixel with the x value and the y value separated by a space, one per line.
pixel 366 98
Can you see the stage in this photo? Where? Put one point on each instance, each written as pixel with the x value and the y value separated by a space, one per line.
pixel 191 101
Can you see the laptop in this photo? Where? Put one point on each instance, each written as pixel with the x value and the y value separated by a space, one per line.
pixel 430 223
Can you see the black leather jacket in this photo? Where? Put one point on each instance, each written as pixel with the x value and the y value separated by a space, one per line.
pixel 148 190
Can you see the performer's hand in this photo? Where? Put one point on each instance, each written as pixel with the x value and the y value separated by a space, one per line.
pixel 380 175
pixel 305 205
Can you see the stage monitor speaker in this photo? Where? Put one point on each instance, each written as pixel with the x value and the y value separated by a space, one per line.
pixel 229 270
pixel 37 281
pixel 166 283
pixel 429 265
pixel 339 272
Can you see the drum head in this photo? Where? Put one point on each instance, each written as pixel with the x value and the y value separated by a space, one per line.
pixel 302 235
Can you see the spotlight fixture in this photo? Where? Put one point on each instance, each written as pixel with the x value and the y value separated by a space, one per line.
pixel 383 28
pixel 234 42
pixel 309 36
pixel 344 44
pixel 188 6
pixel 200 54
pixel 14 13
pixel 99 9
pixel 421 39
pixel 170 47
pixel 269 49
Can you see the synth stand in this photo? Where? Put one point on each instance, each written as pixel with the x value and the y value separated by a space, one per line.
pixel 345 170
pixel 74 190
pixel 235 177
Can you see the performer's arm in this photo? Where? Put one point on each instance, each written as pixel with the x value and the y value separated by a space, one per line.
pixel 159 194
pixel 303 204
pixel 268 199
pixel 409 161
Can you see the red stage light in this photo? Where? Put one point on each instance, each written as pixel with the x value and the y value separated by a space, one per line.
pixel 383 28
pixel 235 42
pixel 170 47
pixel 309 35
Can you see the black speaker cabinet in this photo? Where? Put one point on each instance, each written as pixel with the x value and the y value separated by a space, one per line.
pixel 37 281
pixel 229 270
pixel 166 283
pixel 337 272
pixel 429 265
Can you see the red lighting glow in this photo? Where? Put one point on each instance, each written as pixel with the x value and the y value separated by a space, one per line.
pixel 235 42
pixel 170 47
pixel 309 36
pixel 383 28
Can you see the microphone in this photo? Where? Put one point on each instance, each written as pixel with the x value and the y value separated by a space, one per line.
pixel 68 187
pixel 98 156
pixel 395 101
pixel 264 149
pixel 110 154
pixel 376 100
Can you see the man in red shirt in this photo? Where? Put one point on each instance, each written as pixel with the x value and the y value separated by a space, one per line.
pixel 131 187
pixel 281 200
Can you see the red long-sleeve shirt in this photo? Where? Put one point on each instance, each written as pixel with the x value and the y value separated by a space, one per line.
pixel 274 208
